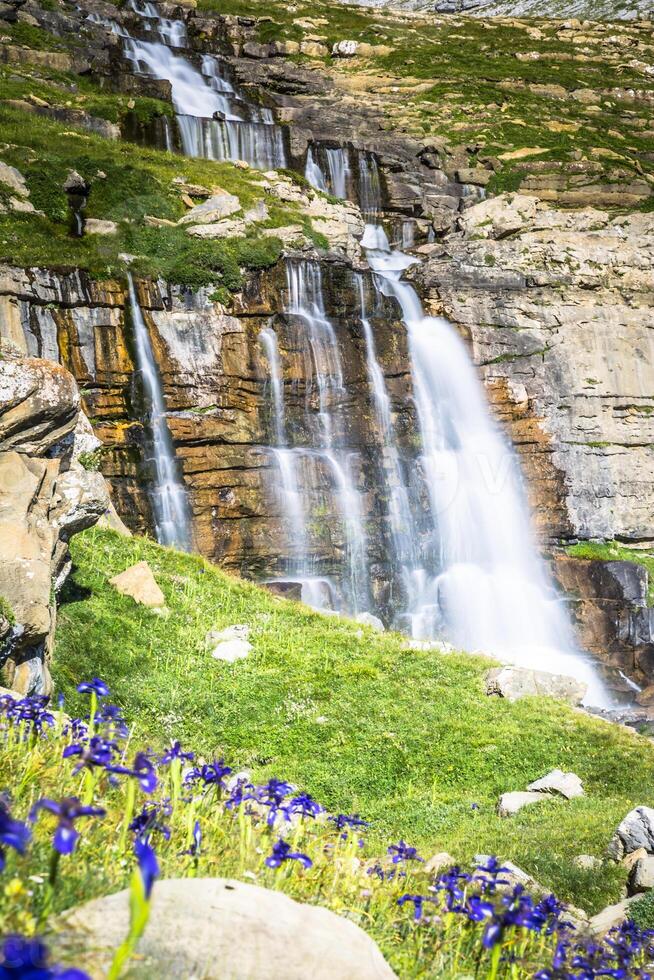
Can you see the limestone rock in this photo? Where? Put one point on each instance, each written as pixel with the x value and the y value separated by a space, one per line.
pixel 611 916
pixel 438 863
pixel 512 803
pixel 514 683
pixel 641 878
pixel 633 857
pixel 499 217
pixel 39 404
pixel 213 209
pixel 367 619
pixel 139 583
pixel 561 783
pixel 636 830
pixel 345 49
pixel 232 650
pixel 14 179
pixel 97 226
pixel 193 925
pixel 587 862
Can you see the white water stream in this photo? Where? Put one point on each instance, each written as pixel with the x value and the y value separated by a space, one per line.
pixel 167 493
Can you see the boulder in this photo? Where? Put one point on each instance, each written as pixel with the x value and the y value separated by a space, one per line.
pixel 641 878
pixel 232 650
pixel 512 803
pixel 139 583
pixel 499 217
pixel 562 783
pixel 215 208
pixel 514 683
pixel 636 830
pixel 216 928
pixel 438 863
pixel 97 226
pixel 345 49
pixel 612 915
pixel 587 862
pixel 367 619
pixel 14 179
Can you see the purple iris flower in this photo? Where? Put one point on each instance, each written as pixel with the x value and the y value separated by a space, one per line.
pixel 343 820
pixel 13 833
pixel 99 753
pixel 68 811
pixel 477 909
pixel 32 711
pixel 211 774
pixel 418 904
pixel 175 752
pixel 282 852
pixel 148 864
pixel 194 849
pixel 96 686
pixel 273 795
pixel 402 852
pixel 149 820
pixel 305 805
pixel 240 793
pixel 27 959
pixel 111 716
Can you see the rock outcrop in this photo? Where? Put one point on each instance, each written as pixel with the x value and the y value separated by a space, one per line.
pixel 46 496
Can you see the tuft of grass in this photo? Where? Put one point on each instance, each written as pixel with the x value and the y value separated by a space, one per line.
pixel 406 738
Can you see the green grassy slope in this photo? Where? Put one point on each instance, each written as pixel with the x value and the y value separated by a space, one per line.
pixel 406 738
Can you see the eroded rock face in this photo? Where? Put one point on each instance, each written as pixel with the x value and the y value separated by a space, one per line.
pixel 45 496
pixel 556 306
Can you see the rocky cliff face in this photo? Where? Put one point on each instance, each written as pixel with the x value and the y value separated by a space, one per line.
pixel 46 495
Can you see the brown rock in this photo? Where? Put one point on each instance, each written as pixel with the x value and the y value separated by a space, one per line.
pixel 139 583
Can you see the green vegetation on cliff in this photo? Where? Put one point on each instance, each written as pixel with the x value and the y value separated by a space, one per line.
pixel 614 551
pixel 407 738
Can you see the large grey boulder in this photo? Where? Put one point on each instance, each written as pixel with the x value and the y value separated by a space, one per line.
pixel 213 209
pixel 514 683
pixel 216 928
pixel 636 830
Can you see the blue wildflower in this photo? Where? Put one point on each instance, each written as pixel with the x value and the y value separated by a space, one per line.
pixel 175 752
pixel 148 865
pixel 27 959
pixel 342 820
pixel 282 852
pixel 402 852
pixel 148 820
pixel 418 904
pixel 98 753
pixel 211 774
pixel 68 811
pixel 96 686
pixel 13 833
pixel 194 849
pixel 305 805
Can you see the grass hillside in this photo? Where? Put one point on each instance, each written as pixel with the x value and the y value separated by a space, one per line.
pixel 406 738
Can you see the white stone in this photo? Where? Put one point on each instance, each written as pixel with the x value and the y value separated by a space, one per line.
pixel 566 784
pixel 345 49
pixel 232 650
pixel 13 178
pixel 213 209
pixel 641 878
pixel 512 803
pixel 239 631
pixel 216 928
pixel 611 916
pixel 514 683
pixel 367 619
pixel 97 226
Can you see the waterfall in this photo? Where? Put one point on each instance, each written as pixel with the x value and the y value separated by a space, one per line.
pixel 489 591
pixel 268 340
pixel 215 120
pixel 328 169
pixel 167 493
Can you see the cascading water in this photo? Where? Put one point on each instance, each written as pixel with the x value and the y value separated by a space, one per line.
pixel 215 120
pixel 489 591
pixel 167 494
pixel 298 466
pixel 328 169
